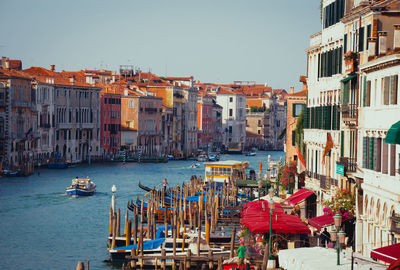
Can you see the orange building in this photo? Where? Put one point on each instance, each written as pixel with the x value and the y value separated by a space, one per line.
pixel 296 102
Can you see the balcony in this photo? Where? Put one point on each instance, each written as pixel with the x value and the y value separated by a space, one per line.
pixel 349 114
pixel 325 182
pixel 150 110
pixel 350 165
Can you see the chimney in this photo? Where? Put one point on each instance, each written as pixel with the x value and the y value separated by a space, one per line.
pixel 72 80
pixel 291 90
pixel 53 68
pixel 396 37
pixel 382 42
pixel 371 46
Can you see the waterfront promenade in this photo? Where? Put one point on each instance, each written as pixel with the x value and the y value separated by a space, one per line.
pixel 42 228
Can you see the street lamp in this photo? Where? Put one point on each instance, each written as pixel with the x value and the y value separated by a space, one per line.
pixel 277 177
pixel 260 185
pixel 338 236
pixel 271 205
pixel 288 193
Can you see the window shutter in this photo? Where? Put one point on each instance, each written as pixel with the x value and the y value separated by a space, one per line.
pixel 294 138
pixel 384 157
pixel 334 118
pixel 375 156
pixel 345 43
pixel 342 143
pixel 386 82
pixel 293 109
pixel 371 153
pixel 345 93
pixel 340 59
pixel 368 34
pixel 361 40
pixel 378 151
pixel 392 160
pixel 365 91
pixel 393 90
pixel 365 152
pixel 338 118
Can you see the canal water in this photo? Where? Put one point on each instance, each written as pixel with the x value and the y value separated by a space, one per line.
pixel 42 228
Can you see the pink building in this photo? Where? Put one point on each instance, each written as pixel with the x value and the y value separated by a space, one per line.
pixel 204 120
pixel 110 121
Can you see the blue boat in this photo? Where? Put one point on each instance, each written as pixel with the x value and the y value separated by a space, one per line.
pixel 62 165
pixel 81 187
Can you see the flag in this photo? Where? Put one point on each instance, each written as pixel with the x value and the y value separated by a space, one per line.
pixel 328 146
pixel 301 167
pixel 27 133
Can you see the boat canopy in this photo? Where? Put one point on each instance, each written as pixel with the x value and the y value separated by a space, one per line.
pixel 151 244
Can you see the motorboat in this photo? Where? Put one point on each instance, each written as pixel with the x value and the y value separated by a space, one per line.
pixel 81 187
pixel 251 154
pixel 194 165
pixel 213 157
pixel 202 158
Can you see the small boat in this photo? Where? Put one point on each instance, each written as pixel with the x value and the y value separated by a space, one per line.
pixel 251 154
pixel 151 189
pixel 81 187
pixel 202 158
pixel 214 157
pixel 194 165
pixel 11 173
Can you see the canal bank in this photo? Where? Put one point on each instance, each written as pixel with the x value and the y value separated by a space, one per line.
pixel 43 228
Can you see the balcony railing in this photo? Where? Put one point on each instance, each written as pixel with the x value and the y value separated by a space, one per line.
pixel 349 112
pixel 350 165
pixel 150 110
pixel 325 182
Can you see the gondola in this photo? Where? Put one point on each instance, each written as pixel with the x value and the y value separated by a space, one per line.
pixel 151 189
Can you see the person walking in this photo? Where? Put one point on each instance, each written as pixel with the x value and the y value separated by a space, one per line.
pixel 325 237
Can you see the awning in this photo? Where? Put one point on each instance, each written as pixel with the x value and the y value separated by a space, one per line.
pixel 321 221
pixel 348 78
pixel 387 254
pixel 393 134
pixel 297 197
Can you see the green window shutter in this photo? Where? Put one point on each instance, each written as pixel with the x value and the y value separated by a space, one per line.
pixel 338 118
pixel 371 153
pixel 334 118
pixel 341 143
pixel 293 108
pixel 365 91
pixel 365 152
pixel 329 127
pixel 345 93
pixel 361 40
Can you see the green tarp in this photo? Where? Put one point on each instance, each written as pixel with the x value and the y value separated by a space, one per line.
pixel 393 134
pixel 348 78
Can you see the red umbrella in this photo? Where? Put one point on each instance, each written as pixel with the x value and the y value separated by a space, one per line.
pixel 256 219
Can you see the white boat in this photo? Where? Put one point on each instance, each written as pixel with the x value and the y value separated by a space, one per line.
pixel 194 165
pixel 202 158
pixel 81 187
pixel 251 154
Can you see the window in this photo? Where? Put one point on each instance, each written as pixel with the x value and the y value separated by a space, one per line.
pixel 131 104
pixel 230 129
pixel 367 89
pixel 368 34
pixel 345 44
pixel 294 138
pixel 231 99
pixel 361 40
pixel 230 112
pixel 389 90
pixel 297 108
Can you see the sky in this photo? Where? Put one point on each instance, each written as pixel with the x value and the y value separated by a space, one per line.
pixel 217 41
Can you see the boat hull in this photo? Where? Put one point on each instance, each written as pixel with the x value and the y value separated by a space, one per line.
pixel 79 192
pixel 57 165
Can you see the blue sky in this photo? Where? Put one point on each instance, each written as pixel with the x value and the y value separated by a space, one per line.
pixel 215 41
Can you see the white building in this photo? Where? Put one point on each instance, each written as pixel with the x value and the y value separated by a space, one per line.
pixel 233 118
pixel 325 65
